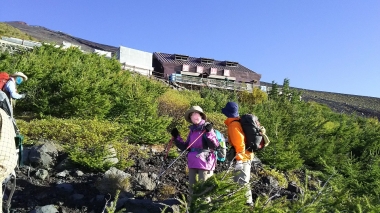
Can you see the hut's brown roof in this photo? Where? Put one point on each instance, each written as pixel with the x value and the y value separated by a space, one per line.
pixel 192 61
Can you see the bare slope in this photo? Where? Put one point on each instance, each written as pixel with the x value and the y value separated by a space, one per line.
pixel 342 103
pixel 47 35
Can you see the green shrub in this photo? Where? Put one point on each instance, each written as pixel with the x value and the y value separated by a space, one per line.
pixel 84 140
pixel 173 104
pixel 151 130
pixel 215 99
pixel 79 85
pixel 194 98
pixel 75 85
pixel 173 152
pixel 282 182
pixel 226 195
pixel 218 120
pixel 251 98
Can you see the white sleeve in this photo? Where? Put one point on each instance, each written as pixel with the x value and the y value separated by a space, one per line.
pixel 10 86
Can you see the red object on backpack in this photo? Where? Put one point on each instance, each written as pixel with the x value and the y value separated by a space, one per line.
pixel 4 77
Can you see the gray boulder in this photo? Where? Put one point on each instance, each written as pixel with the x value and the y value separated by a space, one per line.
pixel 147 206
pixel 44 155
pixel 45 209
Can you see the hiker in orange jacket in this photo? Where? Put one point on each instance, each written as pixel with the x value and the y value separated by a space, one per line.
pixel 236 138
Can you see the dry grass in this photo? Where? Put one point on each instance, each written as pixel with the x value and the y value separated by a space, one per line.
pixel 9 31
pixel 167 191
pixel 112 183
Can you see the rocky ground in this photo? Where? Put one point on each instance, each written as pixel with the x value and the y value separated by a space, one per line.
pixel 49 183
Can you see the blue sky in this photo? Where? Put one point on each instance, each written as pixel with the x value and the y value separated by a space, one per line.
pixel 326 45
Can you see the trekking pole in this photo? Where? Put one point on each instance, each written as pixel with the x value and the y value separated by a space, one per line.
pixel 167 151
pixel 168 148
pixel 163 165
pixel 228 169
pixel 180 155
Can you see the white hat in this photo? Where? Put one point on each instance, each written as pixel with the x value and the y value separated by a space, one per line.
pixel 194 109
pixel 22 75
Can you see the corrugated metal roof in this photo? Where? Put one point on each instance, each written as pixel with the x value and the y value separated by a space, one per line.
pixel 220 65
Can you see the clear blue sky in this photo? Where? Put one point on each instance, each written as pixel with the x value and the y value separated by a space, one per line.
pixel 326 45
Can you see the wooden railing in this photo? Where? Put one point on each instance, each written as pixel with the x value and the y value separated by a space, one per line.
pixel 211 82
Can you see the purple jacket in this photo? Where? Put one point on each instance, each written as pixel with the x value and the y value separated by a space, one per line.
pixel 201 155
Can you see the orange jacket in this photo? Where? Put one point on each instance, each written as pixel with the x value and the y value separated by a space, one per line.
pixel 237 139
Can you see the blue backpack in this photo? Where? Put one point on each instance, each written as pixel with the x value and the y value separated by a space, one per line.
pixel 221 150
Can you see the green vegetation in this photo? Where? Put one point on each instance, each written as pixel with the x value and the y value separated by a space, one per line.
pixel 112 207
pixel 226 196
pixel 9 31
pixel 84 102
pixel 85 140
